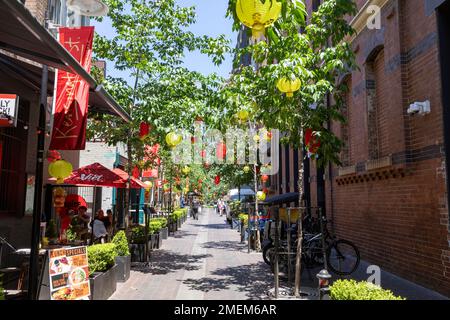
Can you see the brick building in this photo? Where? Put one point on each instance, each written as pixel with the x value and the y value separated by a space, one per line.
pixel 390 196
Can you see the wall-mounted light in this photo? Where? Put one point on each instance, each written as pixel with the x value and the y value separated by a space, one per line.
pixel 90 8
pixel 421 108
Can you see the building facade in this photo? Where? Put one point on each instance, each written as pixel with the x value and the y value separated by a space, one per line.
pixel 390 196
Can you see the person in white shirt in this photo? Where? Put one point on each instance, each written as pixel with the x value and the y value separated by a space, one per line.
pixel 99 229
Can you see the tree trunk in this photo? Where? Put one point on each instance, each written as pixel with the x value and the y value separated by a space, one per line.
pixel 257 236
pixel 298 266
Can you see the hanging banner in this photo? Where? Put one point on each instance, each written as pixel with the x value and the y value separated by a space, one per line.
pixel 9 106
pixel 72 92
pixel 69 274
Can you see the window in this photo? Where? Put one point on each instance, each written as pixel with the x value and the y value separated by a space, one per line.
pixel 54 11
pixel 345 131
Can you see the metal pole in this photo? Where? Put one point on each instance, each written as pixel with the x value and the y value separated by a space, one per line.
pixel 289 243
pixel 325 263
pixel 277 241
pixel 146 232
pixel 35 232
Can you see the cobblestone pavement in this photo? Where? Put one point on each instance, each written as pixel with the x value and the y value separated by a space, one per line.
pixel 203 261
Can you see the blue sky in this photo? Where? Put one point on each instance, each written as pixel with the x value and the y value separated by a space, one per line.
pixel 211 21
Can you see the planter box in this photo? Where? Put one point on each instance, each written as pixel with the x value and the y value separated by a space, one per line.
pixel 103 284
pixel 156 240
pixel 137 251
pixel 179 223
pixel 164 232
pixel 123 268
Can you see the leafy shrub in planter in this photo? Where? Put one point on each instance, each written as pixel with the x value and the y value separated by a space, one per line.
pixel 51 232
pixel 243 217
pixel 101 257
pixel 154 227
pixel 138 234
pixel 352 290
pixel 162 221
pixel 121 242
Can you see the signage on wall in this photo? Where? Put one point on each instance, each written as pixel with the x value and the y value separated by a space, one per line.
pixel 9 106
pixel 69 274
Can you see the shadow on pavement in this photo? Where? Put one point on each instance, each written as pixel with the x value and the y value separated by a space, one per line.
pixel 253 279
pixel 224 245
pixel 164 262
pixel 213 226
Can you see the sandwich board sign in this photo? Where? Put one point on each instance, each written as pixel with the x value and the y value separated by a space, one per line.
pixel 9 106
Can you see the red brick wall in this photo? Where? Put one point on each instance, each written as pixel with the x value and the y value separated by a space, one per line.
pixel 396 215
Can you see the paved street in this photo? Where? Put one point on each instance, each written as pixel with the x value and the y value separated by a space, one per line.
pixel 204 260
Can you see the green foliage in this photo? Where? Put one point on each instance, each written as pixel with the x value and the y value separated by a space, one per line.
pixel 121 242
pixel 71 234
pixel 2 291
pixel 162 221
pixel 51 231
pixel 101 257
pixel 154 226
pixel 243 217
pixel 352 290
pixel 317 57
pixel 138 234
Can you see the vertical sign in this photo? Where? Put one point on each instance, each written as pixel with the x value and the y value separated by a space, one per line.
pixel 9 106
pixel 72 92
pixel 69 274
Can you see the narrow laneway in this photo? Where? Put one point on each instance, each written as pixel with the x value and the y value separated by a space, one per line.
pixel 204 260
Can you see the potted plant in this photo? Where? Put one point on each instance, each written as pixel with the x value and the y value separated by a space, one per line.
pixel 137 244
pixel 173 222
pixel 154 228
pixel 164 231
pixel 102 270
pixel 352 290
pixel 123 258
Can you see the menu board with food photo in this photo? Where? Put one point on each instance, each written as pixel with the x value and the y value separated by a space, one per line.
pixel 69 274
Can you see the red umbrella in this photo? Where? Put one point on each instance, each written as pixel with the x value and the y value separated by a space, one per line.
pixel 74 201
pixel 96 175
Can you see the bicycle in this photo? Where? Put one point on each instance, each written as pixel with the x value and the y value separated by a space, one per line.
pixel 342 256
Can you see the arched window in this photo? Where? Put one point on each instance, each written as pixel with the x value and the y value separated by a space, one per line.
pixel 345 130
pixel 375 98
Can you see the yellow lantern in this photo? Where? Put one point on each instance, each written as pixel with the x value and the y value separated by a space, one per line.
pixel 289 86
pixel 246 169
pixel 173 139
pixel 256 138
pixel 258 15
pixel 261 195
pixel 186 190
pixel 149 185
pixel 243 115
pixel 60 170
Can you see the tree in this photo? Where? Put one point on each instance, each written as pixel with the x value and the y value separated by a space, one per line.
pixel 149 42
pixel 316 56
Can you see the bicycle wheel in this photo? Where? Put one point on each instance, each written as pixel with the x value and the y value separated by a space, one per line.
pixel 343 257
pixel 267 251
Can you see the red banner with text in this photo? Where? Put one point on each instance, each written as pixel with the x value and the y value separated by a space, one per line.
pixel 72 92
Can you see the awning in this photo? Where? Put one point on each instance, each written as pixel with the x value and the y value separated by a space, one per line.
pixel 97 175
pixel 23 35
pixel 135 183
pixel 30 75
pixel 282 198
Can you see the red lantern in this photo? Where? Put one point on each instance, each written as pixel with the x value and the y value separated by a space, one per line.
pixel 144 130
pixel 203 153
pixel 312 142
pixel 200 180
pixel 53 155
pixel 135 173
pixel 264 178
pixel 221 151
pixel 217 180
pixel 266 191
